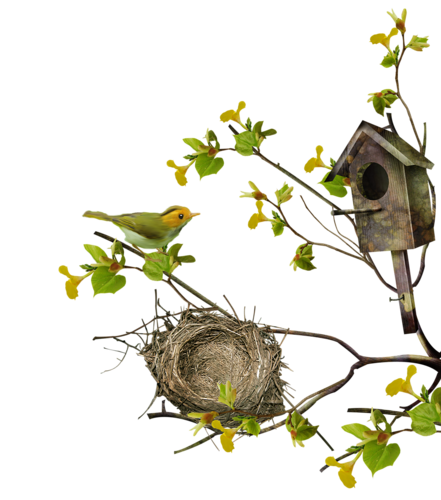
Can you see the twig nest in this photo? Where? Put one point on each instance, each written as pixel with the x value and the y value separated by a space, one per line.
pixel 205 349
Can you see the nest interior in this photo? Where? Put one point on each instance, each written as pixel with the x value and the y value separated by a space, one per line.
pixel 205 349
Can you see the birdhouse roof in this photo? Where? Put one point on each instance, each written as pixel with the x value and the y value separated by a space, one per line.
pixel 391 142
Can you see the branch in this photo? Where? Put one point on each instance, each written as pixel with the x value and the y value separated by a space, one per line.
pixel 427 344
pixel 366 259
pixel 308 241
pixel 184 299
pixel 126 333
pixel 385 412
pixel 294 178
pixel 346 240
pixel 120 361
pixel 401 97
pixel 431 362
pixel 198 295
pixel 152 401
pixel 422 265
pixel 377 272
pixel 306 403
pixel 127 247
pixel 168 414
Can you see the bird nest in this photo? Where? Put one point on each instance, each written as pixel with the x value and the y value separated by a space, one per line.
pixel 206 349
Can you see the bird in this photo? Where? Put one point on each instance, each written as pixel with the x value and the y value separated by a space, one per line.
pixel 149 230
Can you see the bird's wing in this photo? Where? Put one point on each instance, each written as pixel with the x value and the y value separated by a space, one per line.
pixel 129 221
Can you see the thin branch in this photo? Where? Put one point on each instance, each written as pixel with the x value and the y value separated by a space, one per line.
pixel 401 97
pixel 385 412
pixel 195 444
pixel 337 227
pixel 426 343
pixel 188 302
pixel 366 259
pixel 303 184
pixel 422 265
pixel 125 246
pixel 212 441
pixel 229 303
pixel 168 414
pixel 308 241
pixel 119 363
pixel 199 295
pixel 128 333
pixel 377 272
pixel 152 401
pixel 349 242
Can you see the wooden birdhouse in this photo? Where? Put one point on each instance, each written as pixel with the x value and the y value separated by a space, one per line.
pixel 392 205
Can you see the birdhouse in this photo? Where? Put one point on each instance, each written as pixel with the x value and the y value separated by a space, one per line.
pixel 392 205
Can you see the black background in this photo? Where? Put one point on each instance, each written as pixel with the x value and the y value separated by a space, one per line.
pixel 133 100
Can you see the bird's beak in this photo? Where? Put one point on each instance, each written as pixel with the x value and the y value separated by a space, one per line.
pixel 192 215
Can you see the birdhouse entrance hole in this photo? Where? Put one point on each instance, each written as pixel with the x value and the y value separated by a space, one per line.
pixel 372 181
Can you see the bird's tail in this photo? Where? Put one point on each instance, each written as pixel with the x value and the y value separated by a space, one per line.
pixel 96 215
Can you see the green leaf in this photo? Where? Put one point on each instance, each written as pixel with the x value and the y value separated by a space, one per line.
pixel 436 396
pixel 377 418
pixel 306 431
pixel 186 259
pixel 104 282
pixel 86 267
pixel 210 136
pixel 380 457
pixel 265 132
pixel 304 262
pixel 244 143
pixel 252 427
pixel 297 419
pixel 335 188
pixel 386 101
pixel 277 228
pixel 227 395
pixel 354 449
pixel 422 419
pixel 153 270
pixel 192 143
pixel 206 166
pixel 174 250
pixel 355 429
pixel 389 61
pixel 425 394
pixel 94 251
pixel 248 122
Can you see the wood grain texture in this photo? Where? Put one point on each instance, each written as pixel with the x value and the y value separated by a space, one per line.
pixel 403 279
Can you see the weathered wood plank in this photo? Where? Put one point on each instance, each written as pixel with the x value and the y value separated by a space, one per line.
pixel 404 288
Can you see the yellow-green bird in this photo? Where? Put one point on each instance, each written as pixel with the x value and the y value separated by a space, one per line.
pixel 149 230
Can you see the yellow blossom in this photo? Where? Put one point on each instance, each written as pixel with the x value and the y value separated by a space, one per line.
pixel 345 472
pixel 73 282
pixel 259 217
pixel 383 39
pixel 234 115
pixel 401 385
pixel 226 438
pixel 316 162
pixel 180 171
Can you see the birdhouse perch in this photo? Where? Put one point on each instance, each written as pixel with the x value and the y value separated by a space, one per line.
pixel 392 206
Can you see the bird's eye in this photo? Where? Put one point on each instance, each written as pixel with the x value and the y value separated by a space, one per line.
pixel 181 216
